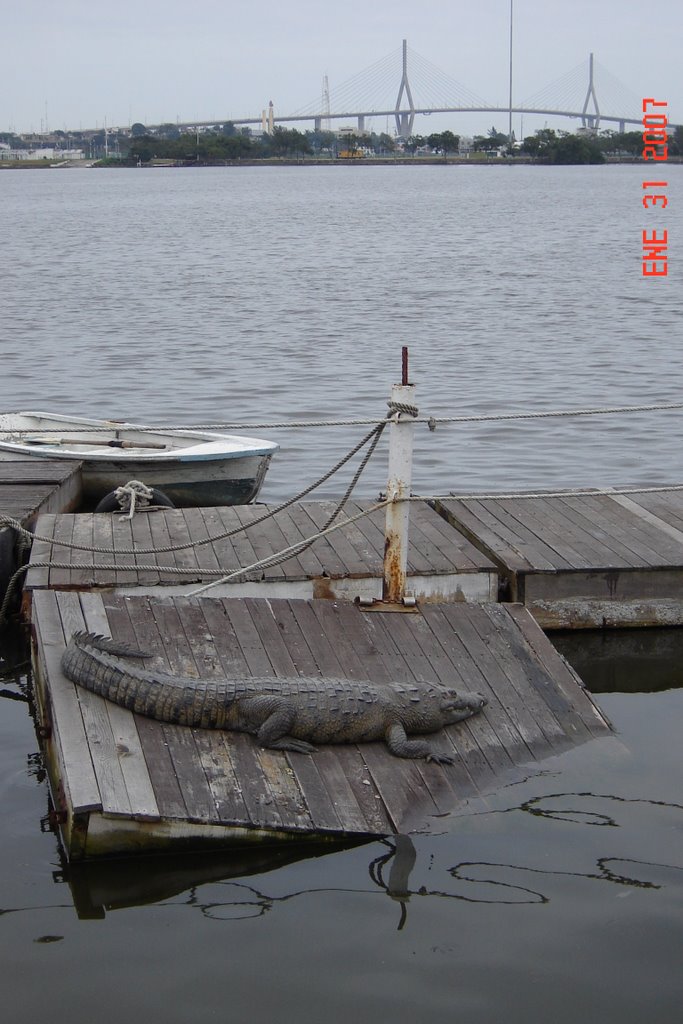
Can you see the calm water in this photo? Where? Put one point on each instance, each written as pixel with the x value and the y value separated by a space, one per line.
pixel 259 295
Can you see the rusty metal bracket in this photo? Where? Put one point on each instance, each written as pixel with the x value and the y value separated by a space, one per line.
pixel 378 605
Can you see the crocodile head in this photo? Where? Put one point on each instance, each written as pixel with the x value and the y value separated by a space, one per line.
pixel 458 705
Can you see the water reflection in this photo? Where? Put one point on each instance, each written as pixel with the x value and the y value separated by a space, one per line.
pixel 625 661
pixel 501 883
pixel 211 884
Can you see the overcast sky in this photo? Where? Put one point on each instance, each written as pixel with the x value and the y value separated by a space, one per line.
pixel 74 63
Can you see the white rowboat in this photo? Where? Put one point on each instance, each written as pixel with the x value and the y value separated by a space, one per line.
pixel 191 467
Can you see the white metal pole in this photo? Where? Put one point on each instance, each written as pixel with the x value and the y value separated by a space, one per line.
pixel 401 429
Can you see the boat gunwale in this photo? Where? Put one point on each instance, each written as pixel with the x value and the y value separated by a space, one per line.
pixel 212 446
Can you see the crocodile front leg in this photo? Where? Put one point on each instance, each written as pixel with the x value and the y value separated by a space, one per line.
pixel 398 743
pixel 270 718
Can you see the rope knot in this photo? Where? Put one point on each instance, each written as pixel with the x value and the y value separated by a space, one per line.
pixel 132 496
pixel 410 410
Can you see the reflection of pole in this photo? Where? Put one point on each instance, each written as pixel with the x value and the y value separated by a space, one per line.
pixel 401 429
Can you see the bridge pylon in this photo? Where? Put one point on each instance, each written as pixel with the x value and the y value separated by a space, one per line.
pixel 590 120
pixel 404 119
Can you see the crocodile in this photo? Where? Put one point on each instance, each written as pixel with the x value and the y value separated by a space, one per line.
pixel 292 713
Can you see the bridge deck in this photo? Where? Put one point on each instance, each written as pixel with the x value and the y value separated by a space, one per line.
pixel 124 783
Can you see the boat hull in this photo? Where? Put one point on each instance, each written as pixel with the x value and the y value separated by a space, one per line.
pixel 186 484
pixel 192 468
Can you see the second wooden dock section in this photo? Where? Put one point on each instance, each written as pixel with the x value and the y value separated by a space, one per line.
pixel 583 560
pixel 443 565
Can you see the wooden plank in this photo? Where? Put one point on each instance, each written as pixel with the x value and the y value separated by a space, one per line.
pixel 212 746
pixel 122 541
pixel 179 537
pixel 648 546
pixel 202 524
pixel 452 551
pixel 319 803
pixel 581 712
pixel 599 546
pixel 540 554
pixel 103 538
pixel 344 625
pixel 351 560
pixel 306 563
pixel 35 471
pixel 333 657
pixel 666 505
pixel 63 531
pixel 283 785
pixel 222 779
pixel 269 771
pixel 612 552
pixel 240 552
pixel 542 674
pixel 486 533
pixel 264 541
pixel 538 727
pixel 447 786
pixel 189 770
pixel 124 728
pixel 133 622
pixel 69 733
pixel 543 518
pixel 366 536
pixel 255 656
pixel 260 803
pixel 41 551
pixel 649 517
pixel 83 560
pixel 484 748
pixel 142 540
pixel 110 780
pixel 258 796
pixel 331 563
pixel 266 625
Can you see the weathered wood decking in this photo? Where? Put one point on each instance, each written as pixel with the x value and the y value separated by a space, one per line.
pixel 583 560
pixel 442 564
pixel 123 783
pixel 29 487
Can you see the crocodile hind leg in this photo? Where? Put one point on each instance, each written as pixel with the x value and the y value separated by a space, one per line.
pixel 271 718
pixel 398 743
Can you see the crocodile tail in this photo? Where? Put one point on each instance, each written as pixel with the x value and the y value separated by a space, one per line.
pixel 84 640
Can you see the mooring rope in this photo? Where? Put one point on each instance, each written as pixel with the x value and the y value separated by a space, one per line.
pixel 592 492
pixel 26 537
pixel 362 422
pixel 373 436
pixel 264 563
pixel 299 546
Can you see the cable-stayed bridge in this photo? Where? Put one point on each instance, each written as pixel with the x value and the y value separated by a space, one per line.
pixel 403 85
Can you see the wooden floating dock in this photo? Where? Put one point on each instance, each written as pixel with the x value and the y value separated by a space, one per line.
pixel 123 783
pixel 442 564
pixel 29 488
pixel 583 560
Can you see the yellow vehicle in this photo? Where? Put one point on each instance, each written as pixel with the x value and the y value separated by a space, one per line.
pixel 350 154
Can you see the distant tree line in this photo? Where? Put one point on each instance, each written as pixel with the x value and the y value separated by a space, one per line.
pixel 227 143
pixel 549 146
